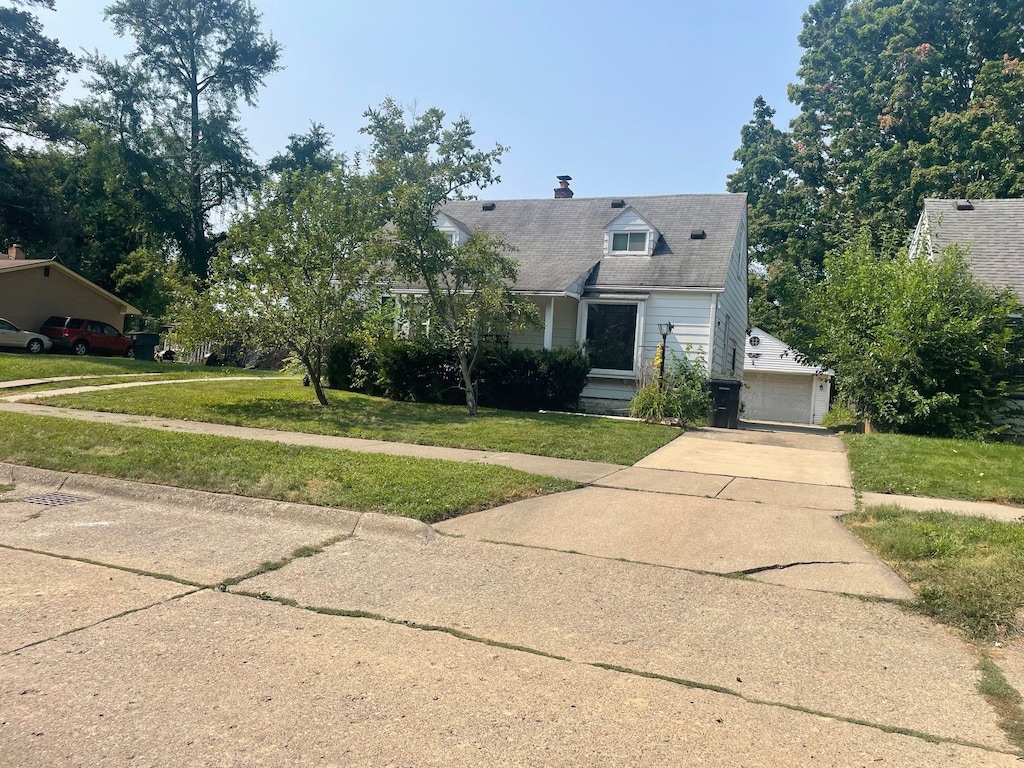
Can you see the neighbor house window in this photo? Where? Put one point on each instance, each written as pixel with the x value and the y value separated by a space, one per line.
pixel 629 242
pixel 611 336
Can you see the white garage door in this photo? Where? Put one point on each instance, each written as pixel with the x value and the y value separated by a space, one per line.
pixel 777 397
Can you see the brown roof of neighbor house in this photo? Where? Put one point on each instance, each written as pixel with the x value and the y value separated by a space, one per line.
pixel 12 265
pixel 992 230
pixel 561 241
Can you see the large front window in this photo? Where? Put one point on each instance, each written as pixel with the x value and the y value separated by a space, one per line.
pixel 611 336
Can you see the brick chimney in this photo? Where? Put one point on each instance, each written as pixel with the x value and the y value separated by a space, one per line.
pixel 16 252
pixel 563 192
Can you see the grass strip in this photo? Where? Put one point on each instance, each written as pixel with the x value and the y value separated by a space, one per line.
pixel 20 366
pixel 424 489
pixel 286 405
pixel 967 572
pixel 941 469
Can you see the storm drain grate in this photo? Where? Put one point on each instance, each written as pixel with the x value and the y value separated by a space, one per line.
pixel 54 499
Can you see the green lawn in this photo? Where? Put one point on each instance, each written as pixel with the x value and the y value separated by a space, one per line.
pixel 21 366
pixel 286 405
pixel 967 571
pixel 425 489
pixel 944 469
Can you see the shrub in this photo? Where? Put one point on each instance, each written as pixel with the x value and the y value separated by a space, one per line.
pixel 919 345
pixel 533 380
pixel 839 417
pixel 683 398
pixel 513 379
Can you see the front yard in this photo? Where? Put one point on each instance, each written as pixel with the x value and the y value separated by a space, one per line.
pixel 425 489
pixel 288 406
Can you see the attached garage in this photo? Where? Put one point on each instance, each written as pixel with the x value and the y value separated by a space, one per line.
pixel 778 387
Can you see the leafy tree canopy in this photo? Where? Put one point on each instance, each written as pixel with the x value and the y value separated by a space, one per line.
pixel 296 271
pixel 31 66
pixel 173 106
pixel 417 167
pixel 898 101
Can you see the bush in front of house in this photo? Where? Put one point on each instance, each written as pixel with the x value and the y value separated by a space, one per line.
pixel 682 398
pixel 532 379
pixel 507 378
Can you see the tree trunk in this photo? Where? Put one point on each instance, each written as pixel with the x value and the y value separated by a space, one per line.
pixel 467 382
pixel 318 387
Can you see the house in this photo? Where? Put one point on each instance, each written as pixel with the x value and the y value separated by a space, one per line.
pixel 607 272
pixel 991 230
pixel 779 386
pixel 31 290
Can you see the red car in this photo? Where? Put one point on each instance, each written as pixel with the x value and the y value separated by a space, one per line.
pixel 81 336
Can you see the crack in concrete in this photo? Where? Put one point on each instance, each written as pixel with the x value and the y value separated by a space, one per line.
pixel 784 566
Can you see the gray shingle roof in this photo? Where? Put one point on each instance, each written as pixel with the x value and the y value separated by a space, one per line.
pixel 994 232
pixel 559 241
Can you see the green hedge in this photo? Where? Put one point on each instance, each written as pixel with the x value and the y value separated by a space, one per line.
pixel 513 379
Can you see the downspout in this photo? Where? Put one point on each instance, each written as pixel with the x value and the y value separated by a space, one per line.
pixel 712 339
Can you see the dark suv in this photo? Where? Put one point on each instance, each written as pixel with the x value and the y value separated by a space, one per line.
pixel 82 336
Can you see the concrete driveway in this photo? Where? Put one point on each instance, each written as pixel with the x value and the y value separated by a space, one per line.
pixel 753 502
pixel 154 626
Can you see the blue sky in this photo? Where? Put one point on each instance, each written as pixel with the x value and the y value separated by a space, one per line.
pixel 629 98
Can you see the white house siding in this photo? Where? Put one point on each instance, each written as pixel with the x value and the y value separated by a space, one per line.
pixel 563 332
pixel 731 313
pixel 690 315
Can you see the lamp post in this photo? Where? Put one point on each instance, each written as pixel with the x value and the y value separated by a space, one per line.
pixel 664 329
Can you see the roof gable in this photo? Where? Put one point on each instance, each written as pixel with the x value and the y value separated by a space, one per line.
pixel 765 353
pixel 17 265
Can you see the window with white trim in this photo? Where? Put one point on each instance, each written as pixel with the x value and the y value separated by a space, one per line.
pixel 629 242
pixel 611 336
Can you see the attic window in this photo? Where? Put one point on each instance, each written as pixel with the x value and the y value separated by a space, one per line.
pixel 698 234
pixel 488 206
pixel 629 242
pixel 964 205
pixel 618 203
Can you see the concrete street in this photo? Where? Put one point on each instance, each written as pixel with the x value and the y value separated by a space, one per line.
pixel 702 608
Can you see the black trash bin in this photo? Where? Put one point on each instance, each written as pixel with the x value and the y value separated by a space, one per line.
pixel 725 407
pixel 145 344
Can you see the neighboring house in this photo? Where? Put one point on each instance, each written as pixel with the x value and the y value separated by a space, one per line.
pixel 605 272
pixel 778 386
pixel 31 290
pixel 991 230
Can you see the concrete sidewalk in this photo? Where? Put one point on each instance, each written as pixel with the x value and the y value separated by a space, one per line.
pixel 695 609
pixel 348 638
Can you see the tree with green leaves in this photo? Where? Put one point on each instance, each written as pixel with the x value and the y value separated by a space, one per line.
pixel 295 272
pixel 31 69
pixel 466 287
pixel 898 101
pixel 173 106
pixel 918 346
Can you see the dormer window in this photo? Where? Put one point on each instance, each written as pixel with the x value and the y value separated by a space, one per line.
pixel 630 234
pixel 454 231
pixel 629 242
